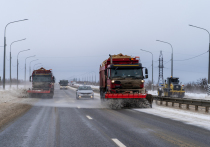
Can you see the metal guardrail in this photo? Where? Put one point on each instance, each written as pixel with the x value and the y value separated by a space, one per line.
pixel 187 101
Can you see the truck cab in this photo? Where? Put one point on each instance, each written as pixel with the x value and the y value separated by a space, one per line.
pixel 63 84
pixel 125 78
pixel 42 83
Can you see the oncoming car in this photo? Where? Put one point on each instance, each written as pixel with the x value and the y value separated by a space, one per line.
pixel 84 92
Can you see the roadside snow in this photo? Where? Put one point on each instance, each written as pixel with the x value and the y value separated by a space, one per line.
pixel 92 86
pixel 187 95
pixel 11 94
pixel 192 118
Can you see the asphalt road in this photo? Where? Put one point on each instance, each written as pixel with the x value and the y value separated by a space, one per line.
pixel 65 121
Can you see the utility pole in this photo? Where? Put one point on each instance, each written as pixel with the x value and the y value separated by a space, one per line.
pixel 171 56
pixel 160 78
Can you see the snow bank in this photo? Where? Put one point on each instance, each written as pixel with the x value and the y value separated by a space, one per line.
pixel 192 118
pixel 187 95
pixel 92 86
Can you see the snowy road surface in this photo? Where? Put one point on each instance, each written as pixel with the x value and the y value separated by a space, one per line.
pixel 65 121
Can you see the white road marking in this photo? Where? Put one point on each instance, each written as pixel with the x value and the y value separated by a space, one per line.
pixel 118 142
pixel 88 117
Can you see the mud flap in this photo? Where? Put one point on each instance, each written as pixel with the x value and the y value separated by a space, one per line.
pixel 149 98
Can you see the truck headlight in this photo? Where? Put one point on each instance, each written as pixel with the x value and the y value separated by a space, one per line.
pixel 113 81
pixel 142 81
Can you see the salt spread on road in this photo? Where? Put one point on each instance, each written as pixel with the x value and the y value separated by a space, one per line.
pixel 188 117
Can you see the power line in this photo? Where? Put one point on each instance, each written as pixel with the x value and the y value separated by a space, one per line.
pixel 192 57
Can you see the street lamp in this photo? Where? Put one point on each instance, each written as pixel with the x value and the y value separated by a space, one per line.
pixel 152 68
pixel 5 50
pixel 18 64
pixel 209 58
pixel 36 64
pixel 171 56
pixel 25 65
pixel 11 58
pixel 30 66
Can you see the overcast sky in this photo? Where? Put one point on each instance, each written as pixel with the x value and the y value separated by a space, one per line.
pixel 73 37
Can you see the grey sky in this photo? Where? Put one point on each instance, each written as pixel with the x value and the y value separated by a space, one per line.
pixel 74 36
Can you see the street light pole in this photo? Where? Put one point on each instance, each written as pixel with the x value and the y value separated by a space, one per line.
pixel 5 50
pixel 171 56
pixel 11 58
pixel 25 66
pixel 30 66
pixel 209 58
pixel 152 68
pixel 18 64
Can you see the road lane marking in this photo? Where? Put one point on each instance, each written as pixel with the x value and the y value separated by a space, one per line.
pixel 120 144
pixel 88 117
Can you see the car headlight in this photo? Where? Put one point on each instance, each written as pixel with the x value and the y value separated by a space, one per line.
pixel 142 81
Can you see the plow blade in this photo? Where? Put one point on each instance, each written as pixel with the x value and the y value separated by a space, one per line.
pixel 125 96
pixel 117 101
pixel 38 91
pixel 40 94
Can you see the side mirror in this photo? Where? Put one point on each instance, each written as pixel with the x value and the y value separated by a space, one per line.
pixel 146 71
pixel 146 76
pixel 30 78
pixel 53 80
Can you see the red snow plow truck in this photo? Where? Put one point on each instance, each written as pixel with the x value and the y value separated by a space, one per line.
pixel 122 83
pixel 42 83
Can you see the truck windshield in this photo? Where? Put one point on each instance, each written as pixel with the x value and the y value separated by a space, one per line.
pixel 63 83
pixel 41 78
pixel 84 88
pixel 175 81
pixel 136 73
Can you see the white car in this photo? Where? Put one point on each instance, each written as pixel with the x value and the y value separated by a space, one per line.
pixel 84 92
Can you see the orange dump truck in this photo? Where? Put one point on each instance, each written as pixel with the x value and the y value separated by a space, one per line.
pixel 122 82
pixel 42 83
